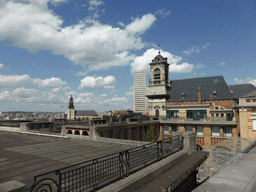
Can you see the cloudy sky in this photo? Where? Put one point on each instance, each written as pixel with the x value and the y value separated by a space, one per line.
pixel 50 49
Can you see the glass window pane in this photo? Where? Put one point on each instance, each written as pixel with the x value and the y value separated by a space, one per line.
pixel 215 131
pixel 227 132
pixel 174 128
pixel 166 129
pixel 254 124
pixel 200 131
pixel 189 128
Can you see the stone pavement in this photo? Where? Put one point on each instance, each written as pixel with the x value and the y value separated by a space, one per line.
pixel 23 155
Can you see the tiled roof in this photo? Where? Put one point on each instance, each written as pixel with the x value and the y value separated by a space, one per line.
pixel 241 89
pixel 85 113
pixel 189 87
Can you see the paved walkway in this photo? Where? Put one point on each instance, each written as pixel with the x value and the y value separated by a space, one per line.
pixel 22 155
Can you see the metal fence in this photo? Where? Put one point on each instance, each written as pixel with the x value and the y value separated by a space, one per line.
pixel 96 173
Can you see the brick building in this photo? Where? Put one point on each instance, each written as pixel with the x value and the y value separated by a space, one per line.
pixel 206 106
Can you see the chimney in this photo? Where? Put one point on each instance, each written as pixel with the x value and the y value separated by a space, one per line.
pixel 199 95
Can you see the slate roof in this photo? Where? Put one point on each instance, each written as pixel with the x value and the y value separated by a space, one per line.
pixel 251 94
pixel 208 85
pixel 85 113
pixel 241 89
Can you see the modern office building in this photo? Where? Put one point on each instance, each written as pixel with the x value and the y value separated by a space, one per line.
pixel 140 105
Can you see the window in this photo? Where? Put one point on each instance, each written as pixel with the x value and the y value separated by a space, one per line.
pixel 189 128
pixel 222 114
pixel 212 115
pixel 215 131
pixel 197 114
pixel 174 128
pixel 172 114
pixel 165 129
pixel 199 131
pixel 227 132
pixel 229 117
pixel 254 124
pixel 217 114
pixel 157 76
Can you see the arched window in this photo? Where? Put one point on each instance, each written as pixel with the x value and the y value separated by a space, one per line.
pixel 69 131
pixel 157 76
pixel 77 132
pixel 157 113
pixel 85 133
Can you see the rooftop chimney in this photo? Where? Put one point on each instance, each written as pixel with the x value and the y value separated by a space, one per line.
pixel 199 95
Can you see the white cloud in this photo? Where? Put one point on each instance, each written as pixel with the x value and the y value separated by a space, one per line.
pixel 207 44
pixel 12 81
pixel 33 26
pixel 182 68
pixel 195 49
pixel 162 12
pixel 50 83
pixel 121 24
pixel 90 82
pixel 248 80
pixel 199 65
pixel 116 100
pixel 3 68
pixel 141 63
pixel 94 4
pixel 140 25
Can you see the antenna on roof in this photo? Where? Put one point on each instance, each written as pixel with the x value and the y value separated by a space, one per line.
pixel 159 47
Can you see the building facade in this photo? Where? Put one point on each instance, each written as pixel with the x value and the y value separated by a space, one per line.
pixel 140 102
pixel 159 86
pixel 206 106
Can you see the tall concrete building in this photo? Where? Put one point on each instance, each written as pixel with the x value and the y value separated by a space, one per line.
pixel 140 92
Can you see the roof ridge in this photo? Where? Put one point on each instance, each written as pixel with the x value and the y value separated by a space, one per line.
pixel 198 78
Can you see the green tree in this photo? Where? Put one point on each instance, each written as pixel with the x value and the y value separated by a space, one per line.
pixel 150 134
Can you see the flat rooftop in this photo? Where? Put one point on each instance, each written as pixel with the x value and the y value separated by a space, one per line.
pixel 23 156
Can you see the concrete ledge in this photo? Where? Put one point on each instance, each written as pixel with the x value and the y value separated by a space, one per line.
pixel 140 178
pixel 12 186
pixel 238 176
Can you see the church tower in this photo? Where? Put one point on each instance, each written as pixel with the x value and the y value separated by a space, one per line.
pixel 159 86
pixel 71 110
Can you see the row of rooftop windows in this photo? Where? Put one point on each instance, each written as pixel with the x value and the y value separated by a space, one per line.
pixel 198 114
pixel 215 130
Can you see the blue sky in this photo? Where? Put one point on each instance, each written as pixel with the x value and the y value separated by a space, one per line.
pixel 50 49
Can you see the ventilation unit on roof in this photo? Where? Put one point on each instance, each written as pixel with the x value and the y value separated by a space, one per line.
pixel 216 80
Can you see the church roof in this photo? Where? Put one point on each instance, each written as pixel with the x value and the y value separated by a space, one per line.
pixel 241 90
pixel 85 113
pixel 159 58
pixel 213 88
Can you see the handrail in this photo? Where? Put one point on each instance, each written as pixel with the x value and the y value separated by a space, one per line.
pixel 98 172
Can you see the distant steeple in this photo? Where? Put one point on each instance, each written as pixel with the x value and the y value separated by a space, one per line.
pixel 159 51
pixel 71 103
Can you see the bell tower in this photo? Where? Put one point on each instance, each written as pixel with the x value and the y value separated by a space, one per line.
pixel 159 86
pixel 71 109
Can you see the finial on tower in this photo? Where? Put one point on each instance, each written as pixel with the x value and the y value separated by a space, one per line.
pixel 159 48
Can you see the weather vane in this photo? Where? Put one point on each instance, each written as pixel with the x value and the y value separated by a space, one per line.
pixel 159 47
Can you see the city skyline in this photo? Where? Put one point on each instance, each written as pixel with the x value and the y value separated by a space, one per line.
pixel 51 49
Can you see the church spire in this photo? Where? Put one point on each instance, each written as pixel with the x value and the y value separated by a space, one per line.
pixel 159 51
pixel 71 103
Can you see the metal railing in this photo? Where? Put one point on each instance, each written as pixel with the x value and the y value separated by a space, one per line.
pixel 96 173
